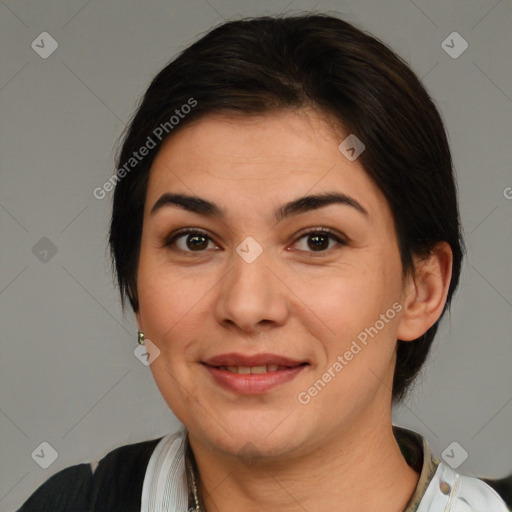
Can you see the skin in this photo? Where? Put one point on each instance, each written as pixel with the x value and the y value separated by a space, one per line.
pixel 269 451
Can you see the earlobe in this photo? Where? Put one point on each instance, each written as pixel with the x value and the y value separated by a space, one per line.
pixel 425 293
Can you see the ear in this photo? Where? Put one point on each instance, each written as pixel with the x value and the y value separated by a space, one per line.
pixel 425 292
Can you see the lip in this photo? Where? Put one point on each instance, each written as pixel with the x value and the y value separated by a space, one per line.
pixel 253 384
pixel 235 359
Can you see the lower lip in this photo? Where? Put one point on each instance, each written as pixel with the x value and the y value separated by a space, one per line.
pixel 254 383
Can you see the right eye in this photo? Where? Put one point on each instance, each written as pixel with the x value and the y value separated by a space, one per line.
pixel 189 240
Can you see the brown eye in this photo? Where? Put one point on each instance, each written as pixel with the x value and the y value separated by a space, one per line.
pixel 190 241
pixel 319 240
pixel 196 242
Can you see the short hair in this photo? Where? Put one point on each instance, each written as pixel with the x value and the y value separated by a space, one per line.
pixel 266 64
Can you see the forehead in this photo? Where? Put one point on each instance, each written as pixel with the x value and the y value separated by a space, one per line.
pixel 264 159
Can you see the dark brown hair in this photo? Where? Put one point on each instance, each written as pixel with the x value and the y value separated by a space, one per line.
pixel 265 64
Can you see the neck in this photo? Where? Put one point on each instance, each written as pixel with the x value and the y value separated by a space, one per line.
pixel 362 469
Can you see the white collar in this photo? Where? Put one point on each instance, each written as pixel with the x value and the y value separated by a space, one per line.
pixel 450 492
pixel 165 482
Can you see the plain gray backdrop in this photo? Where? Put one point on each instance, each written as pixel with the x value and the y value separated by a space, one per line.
pixel 69 376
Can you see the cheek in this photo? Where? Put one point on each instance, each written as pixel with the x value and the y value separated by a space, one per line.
pixel 353 299
pixel 359 345
pixel 357 306
pixel 172 308
pixel 166 293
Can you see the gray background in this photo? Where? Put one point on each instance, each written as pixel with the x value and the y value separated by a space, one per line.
pixel 68 373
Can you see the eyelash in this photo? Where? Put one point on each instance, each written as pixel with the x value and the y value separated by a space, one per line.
pixel 170 240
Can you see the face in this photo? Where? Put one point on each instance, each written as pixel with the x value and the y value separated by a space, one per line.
pixel 276 320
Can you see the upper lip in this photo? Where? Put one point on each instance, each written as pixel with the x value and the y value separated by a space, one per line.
pixel 234 359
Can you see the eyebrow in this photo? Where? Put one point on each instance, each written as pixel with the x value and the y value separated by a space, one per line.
pixel 301 205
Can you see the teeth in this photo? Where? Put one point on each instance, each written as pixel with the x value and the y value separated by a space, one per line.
pixel 251 369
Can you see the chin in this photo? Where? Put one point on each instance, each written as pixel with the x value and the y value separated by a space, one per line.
pixel 254 436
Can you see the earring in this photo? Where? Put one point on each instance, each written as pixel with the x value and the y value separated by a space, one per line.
pixel 140 336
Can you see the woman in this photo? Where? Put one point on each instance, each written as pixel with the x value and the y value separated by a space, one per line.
pixel 285 228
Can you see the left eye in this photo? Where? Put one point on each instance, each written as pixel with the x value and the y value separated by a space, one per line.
pixel 319 240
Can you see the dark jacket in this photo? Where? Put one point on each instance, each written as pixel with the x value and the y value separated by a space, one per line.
pixel 115 486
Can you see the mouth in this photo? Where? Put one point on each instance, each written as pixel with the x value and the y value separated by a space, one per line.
pixel 254 370
pixel 250 375
pixel 234 359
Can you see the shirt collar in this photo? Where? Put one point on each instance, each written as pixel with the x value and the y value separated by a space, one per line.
pixel 419 456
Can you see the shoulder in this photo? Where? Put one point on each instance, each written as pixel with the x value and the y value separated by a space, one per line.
pixel 480 495
pixel 453 492
pixel 69 487
pixel 115 484
pixel 503 486
pixel 119 477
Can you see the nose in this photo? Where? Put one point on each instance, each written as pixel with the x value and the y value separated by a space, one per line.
pixel 251 296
